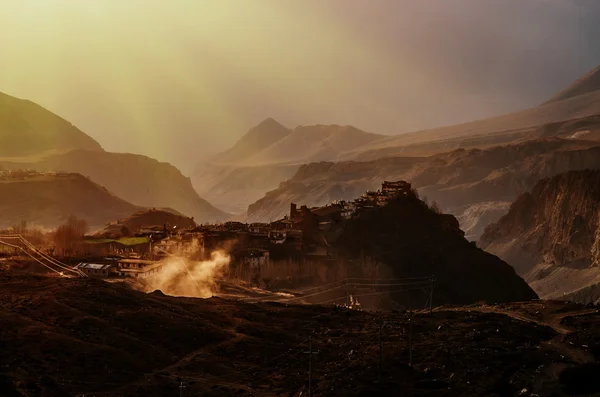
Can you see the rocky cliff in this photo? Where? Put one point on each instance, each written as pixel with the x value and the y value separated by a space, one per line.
pixel 551 235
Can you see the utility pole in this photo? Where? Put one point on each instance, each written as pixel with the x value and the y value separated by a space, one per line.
pixel 431 296
pixel 310 355
pixel 181 387
pixel 410 339
pixel 380 347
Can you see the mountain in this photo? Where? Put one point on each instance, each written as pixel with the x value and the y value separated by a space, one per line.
pixel 579 101
pixel 258 138
pixel 413 240
pixel 551 235
pixel 313 143
pixel 268 154
pixel 138 179
pixel 475 185
pixel 575 115
pixel 48 199
pixel 27 129
pixel 31 137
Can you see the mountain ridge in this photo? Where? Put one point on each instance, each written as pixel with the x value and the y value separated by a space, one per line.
pixel 138 179
pixel 28 129
pixel 587 83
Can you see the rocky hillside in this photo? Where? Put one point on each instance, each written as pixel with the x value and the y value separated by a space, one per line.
pixel 48 200
pixel 138 179
pixel 475 185
pixel 28 129
pixel 551 235
pixel 413 240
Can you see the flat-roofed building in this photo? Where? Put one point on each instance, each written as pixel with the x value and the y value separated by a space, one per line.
pixel 96 269
pixel 138 268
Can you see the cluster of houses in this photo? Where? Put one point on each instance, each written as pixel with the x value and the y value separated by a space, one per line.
pixel 304 232
pixel 19 175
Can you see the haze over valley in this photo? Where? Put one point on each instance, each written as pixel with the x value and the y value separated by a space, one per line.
pixel 300 198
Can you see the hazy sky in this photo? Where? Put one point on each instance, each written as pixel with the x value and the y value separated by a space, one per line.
pixel 178 79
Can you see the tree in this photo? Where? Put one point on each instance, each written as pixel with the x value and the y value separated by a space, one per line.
pixel 125 231
pixel 66 236
pixel 20 228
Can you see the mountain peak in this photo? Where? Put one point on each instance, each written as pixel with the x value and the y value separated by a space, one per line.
pixel 269 122
pixel 585 84
pixel 256 139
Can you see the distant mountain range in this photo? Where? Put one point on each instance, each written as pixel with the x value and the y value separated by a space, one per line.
pixel 31 137
pixel 238 181
pixel 268 154
pixel 272 143
pixel 477 186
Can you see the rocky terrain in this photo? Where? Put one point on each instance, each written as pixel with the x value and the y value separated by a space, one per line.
pixel 48 200
pixel 551 235
pixel 28 129
pixel 71 337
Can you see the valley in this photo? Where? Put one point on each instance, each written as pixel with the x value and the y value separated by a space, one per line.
pixel 300 199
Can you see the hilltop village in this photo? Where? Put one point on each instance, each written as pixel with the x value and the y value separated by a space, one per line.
pixel 305 233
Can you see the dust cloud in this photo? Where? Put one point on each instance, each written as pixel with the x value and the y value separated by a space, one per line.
pixel 184 277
